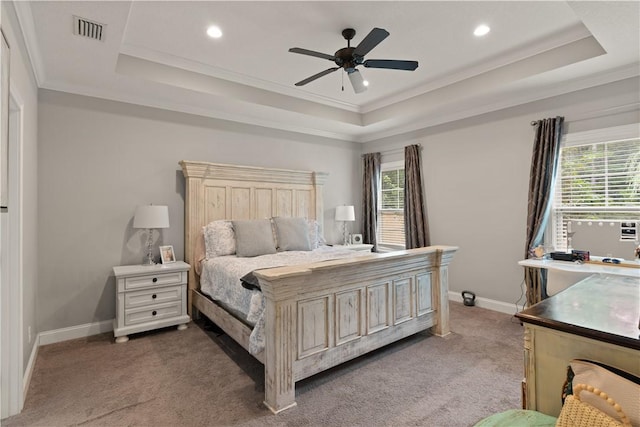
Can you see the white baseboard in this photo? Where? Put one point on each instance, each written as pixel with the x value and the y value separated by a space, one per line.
pixel 26 379
pixel 73 332
pixel 88 329
pixel 59 335
pixel 489 304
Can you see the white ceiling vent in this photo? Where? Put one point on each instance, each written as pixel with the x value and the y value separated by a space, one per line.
pixel 86 28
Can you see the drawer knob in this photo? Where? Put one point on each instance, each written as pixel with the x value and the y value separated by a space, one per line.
pixel 154 296
pixel 153 313
pixel 155 279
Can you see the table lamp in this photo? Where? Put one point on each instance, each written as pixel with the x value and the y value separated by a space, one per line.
pixel 344 214
pixel 150 217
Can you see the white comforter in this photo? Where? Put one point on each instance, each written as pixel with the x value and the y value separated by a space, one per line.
pixel 220 280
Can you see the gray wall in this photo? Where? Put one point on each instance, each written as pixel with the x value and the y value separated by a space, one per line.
pixel 24 87
pixel 99 159
pixel 476 174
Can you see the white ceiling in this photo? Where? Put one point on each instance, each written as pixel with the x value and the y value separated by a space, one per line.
pixel 156 53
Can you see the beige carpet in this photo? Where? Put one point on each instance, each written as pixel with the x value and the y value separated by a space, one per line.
pixel 200 378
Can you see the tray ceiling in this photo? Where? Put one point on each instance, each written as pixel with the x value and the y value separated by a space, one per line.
pixel 157 53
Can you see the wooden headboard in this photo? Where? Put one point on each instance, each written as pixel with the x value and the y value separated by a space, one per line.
pixel 218 191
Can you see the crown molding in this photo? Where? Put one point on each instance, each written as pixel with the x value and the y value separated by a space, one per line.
pixel 220 73
pixel 236 120
pixel 499 101
pixel 493 103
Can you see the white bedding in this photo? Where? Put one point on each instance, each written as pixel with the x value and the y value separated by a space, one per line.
pixel 221 275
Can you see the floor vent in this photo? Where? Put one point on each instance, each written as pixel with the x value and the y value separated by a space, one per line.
pixel 85 28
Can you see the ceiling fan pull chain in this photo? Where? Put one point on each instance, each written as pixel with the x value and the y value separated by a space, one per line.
pixel 342 74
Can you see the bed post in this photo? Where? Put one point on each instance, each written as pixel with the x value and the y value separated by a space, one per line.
pixel 280 350
pixel 441 262
pixel 193 218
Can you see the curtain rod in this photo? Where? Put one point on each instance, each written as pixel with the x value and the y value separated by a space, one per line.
pixel 395 150
pixel 593 114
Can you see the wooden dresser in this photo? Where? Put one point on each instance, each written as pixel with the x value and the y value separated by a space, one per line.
pixel 595 319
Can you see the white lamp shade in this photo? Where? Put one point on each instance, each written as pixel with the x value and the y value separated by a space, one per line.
pixel 151 216
pixel 345 213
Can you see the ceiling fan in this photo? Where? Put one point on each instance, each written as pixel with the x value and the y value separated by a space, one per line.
pixel 348 58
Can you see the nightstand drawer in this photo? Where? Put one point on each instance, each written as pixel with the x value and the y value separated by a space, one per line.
pixel 156 296
pixel 160 279
pixel 153 313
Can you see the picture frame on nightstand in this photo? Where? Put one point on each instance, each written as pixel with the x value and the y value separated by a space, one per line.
pixel 167 255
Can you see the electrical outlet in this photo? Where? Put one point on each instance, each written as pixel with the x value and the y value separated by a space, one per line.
pixel 29 333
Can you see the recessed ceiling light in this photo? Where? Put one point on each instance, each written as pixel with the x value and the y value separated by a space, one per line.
pixel 214 32
pixel 481 30
pixel 365 82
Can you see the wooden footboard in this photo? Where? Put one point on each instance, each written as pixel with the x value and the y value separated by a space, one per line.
pixel 323 314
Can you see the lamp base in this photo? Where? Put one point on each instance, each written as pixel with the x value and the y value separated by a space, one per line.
pixel 345 236
pixel 149 260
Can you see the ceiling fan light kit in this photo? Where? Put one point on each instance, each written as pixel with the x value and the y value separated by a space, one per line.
pixel 357 82
pixel 348 58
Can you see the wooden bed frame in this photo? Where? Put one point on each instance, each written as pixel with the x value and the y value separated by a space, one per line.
pixel 317 315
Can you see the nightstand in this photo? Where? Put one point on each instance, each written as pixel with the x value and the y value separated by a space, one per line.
pixel 150 297
pixel 365 247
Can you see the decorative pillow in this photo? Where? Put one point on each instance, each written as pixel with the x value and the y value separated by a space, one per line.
pixel 315 235
pixel 622 387
pixel 219 238
pixel 254 238
pixel 292 234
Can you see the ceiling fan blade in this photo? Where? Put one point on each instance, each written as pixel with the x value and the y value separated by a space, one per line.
pixel 317 76
pixel 357 81
pixel 370 41
pixel 391 64
pixel 312 53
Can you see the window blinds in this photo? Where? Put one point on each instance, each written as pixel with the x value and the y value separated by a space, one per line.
pixel 596 181
pixel 391 213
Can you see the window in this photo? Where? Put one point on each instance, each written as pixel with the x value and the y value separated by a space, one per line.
pixel 598 179
pixel 391 210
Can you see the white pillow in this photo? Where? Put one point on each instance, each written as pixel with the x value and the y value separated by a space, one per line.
pixel 219 238
pixel 315 236
pixel 292 234
pixel 254 238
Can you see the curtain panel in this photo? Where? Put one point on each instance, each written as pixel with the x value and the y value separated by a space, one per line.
pixel 416 226
pixel 544 165
pixel 370 190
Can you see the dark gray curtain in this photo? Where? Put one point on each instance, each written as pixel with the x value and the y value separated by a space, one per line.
pixel 370 188
pixel 544 165
pixel 416 226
